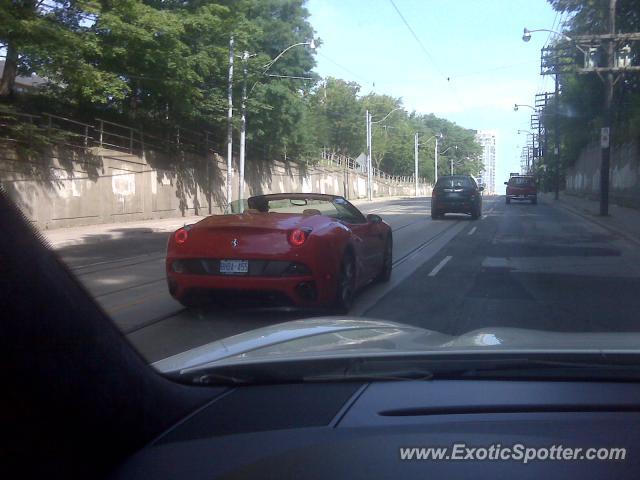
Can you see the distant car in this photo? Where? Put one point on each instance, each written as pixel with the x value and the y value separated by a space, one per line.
pixel 522 187
pixel 456 194
pixel 294 248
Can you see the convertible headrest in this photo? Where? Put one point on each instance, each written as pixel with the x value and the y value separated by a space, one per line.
pixel 311 211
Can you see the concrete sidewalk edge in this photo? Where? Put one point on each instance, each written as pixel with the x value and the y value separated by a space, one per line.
pixel 586 215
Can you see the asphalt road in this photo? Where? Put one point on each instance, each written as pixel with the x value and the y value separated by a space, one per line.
pixel 520 265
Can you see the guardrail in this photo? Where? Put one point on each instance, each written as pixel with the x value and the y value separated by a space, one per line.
pixel 71 130
pixel 9 119
pixel 343 161
pixel 107 134
pixel 133 140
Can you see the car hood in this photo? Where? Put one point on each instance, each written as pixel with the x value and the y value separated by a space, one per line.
pixel 344 336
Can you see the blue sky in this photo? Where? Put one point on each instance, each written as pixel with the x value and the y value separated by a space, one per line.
pixel 473 68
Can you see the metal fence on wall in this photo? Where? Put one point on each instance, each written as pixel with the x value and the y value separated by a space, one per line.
pixel 103 133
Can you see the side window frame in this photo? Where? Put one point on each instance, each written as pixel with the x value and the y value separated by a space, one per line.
pixel 358 216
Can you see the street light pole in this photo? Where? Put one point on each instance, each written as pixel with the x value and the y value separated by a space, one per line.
pixel 556 121
pixel 243 124
pixel 442 153
pixel 369 172
pixel 435 154
pixel 436 162
pixel 230 125
pixel 605 135
pixel 415 154
pixel 243 127
pixel 370 123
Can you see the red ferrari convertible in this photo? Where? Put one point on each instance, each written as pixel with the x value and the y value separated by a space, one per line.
pixel 293 248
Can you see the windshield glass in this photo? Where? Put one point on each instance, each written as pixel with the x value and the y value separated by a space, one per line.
pixel 234 176
pixel 521 181
pixel 455 182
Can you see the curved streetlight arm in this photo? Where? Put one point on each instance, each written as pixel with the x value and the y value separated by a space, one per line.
pixel 526 36
pixel 268 65
pixel 440 136
pixel 528 132
pixel 449 148
pixel 518 105
pixel 387 115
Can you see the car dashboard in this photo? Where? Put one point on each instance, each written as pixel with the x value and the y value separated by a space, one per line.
pixel 362 430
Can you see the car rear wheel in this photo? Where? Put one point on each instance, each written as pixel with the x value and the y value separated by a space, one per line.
pixel 476 214
pixel 346 284
pixel 435 215
pixel 387 262
pixel 534 201
pixel 508 200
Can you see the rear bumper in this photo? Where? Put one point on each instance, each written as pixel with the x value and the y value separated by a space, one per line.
pixel 305 290
pixel 454 207
pixel 522 196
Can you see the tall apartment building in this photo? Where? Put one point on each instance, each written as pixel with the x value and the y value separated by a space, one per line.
pixel 487 139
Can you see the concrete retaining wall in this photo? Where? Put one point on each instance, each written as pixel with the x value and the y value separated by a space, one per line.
pixel 583 178
pixel 69 188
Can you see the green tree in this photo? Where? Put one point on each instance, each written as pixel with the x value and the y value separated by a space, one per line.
pixel 338 117
pixel 277 110
pixel 54 40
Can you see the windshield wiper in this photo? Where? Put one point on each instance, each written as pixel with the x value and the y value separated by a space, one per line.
pixel 374 376
pixel 212 378
pixel 418 369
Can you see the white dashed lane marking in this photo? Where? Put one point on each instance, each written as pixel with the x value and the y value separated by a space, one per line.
pixel 472 231
pixel 440 266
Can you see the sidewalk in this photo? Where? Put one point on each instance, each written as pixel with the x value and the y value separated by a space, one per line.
pixel 622 221
pixel 65 237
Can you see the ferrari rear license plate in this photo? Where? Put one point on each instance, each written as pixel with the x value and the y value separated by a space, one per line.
pixel 234 266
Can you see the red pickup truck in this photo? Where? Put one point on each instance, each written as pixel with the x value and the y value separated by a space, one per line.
pixel 522 187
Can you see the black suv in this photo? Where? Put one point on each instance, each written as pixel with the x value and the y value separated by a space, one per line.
pixel 456 194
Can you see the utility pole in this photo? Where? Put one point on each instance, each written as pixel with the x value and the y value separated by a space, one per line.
pixel 605 133
pixel 369 166
pixel 370 123
pixel 243 127
pixel 564 62
pixel 436 162
pixel 345 178
pixel 556 132
pixel 452 166
pixel 230 125
pixel 415 154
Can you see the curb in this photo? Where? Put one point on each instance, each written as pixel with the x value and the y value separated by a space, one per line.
pixel 79 241
pixel 589 217
pixel 106 237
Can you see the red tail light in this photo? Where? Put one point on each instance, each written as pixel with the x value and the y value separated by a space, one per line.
pixel 181 236
pixel 297 237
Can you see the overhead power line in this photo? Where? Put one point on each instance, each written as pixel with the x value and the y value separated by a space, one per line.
pixel 355 75
pixel 415 36
pixel 456 95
